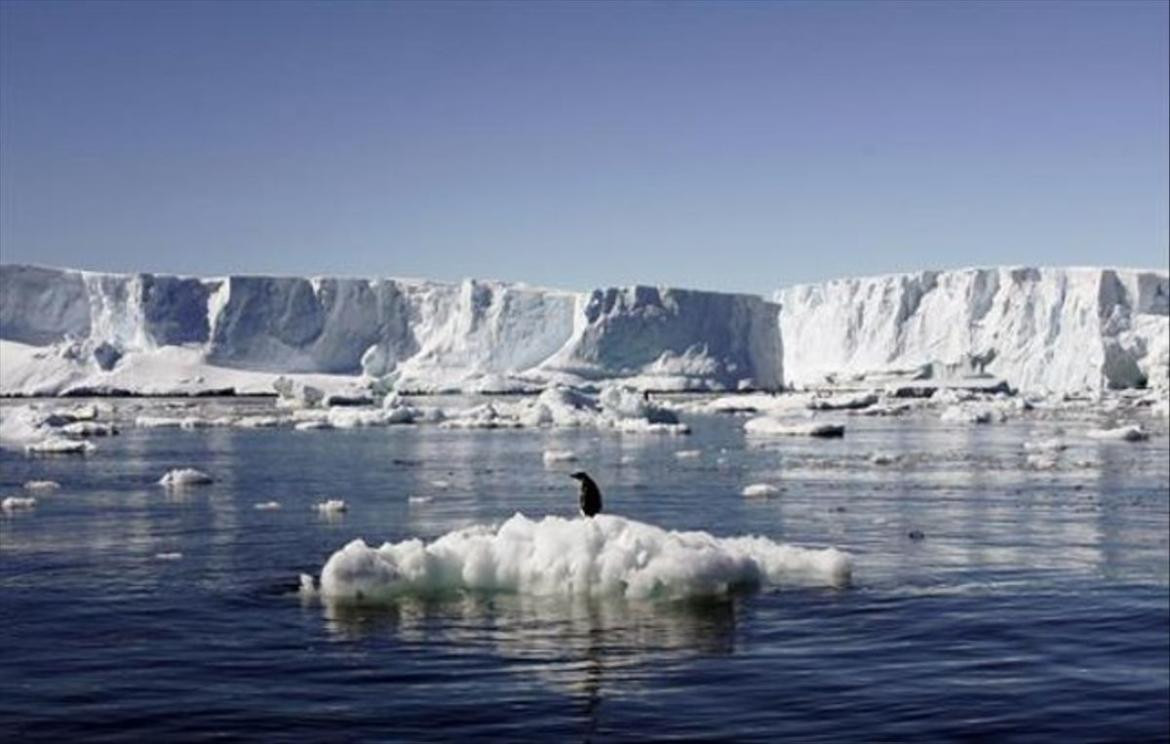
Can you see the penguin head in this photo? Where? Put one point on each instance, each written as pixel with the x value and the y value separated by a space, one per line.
pixel 579 475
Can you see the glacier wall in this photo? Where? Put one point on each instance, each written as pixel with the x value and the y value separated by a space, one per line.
pixel 428 336
pixel 1049 329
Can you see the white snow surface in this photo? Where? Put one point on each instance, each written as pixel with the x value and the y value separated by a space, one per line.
pixel 605 555
pixel 63 330
pixel 1041 329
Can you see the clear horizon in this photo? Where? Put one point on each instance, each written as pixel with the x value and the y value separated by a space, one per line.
pixel 736 147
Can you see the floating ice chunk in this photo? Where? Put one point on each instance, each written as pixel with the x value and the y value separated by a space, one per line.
pixel 420 499
pixel 158 422
pixel 886 409
pixel 765 490
pixel 20 423
pixel 1046 445
pixel 766 425
pixel 688 454
pixel 258 422
pixel 331 506
pixel 1130 433
pixel 353 418
pixel 59 446
pixel 483 416
pixel 1042 461
pixel 959 414
pixel 844 402
pixel 266 505
pixel 88 429
pixel 884 458
pixel 440 483
pixel 168 556
pixel 624 403
pixel 1161 408
pixel 605 555
pixel 555 456
pixel 312 425
pixel 41 485
pixel 641 426
pixel 296 394
pixel 15 503
pixel 185 477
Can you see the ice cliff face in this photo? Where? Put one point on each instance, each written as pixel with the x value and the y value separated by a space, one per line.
pixel 1057 330
pixel 90 328
pixel 1039 329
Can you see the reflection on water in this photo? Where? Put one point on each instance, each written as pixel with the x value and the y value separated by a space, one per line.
pixel 581 646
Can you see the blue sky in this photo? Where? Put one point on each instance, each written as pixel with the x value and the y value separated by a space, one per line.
pixel 715 145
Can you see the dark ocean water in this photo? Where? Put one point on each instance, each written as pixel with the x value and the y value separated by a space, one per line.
pixel 1036 606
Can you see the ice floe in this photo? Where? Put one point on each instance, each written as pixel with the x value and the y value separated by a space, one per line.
pixel 756 490
pixel 185 477
pixel 769 426
pixel 17 503
pixel 605 555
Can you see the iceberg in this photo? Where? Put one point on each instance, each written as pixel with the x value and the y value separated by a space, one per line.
pixel 324 342
pixel 64 331
pixel 1038 329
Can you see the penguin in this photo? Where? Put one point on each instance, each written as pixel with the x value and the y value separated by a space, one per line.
pixel 590 494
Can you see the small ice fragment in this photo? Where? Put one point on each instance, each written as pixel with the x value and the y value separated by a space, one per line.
pixel 307 589
pixel 185 477
pixel 41 485
pixel 551 456
pixel 89 429
pixel 266 505
pixel 312 425
pixel 688 454
pixel 882 458
pixel 760 489
pixel 1131 433
pixel 14 503
pixel 419 499
pixel 1045 445
pixel 168 556
pixel 331 506
pixel 441 483
pixel 57 446
pixel 773 426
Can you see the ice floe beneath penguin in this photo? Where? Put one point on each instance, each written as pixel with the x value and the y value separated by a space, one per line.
pixel 553 556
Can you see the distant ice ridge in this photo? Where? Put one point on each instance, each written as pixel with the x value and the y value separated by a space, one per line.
pixel 1051 329
pixel 63 331
pixel 606 555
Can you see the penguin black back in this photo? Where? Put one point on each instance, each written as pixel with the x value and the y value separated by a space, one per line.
pixel 590 494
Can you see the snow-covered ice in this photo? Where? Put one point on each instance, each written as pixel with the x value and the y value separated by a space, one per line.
pixel 185 477
pixel 756 490
pixel 41 485
pixel 331 506
pixel 605 555
pixel 770 426
pixel 1041 329
pixel 1128 433
pixel 60 446
pixel 16 503
pixel 557 456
